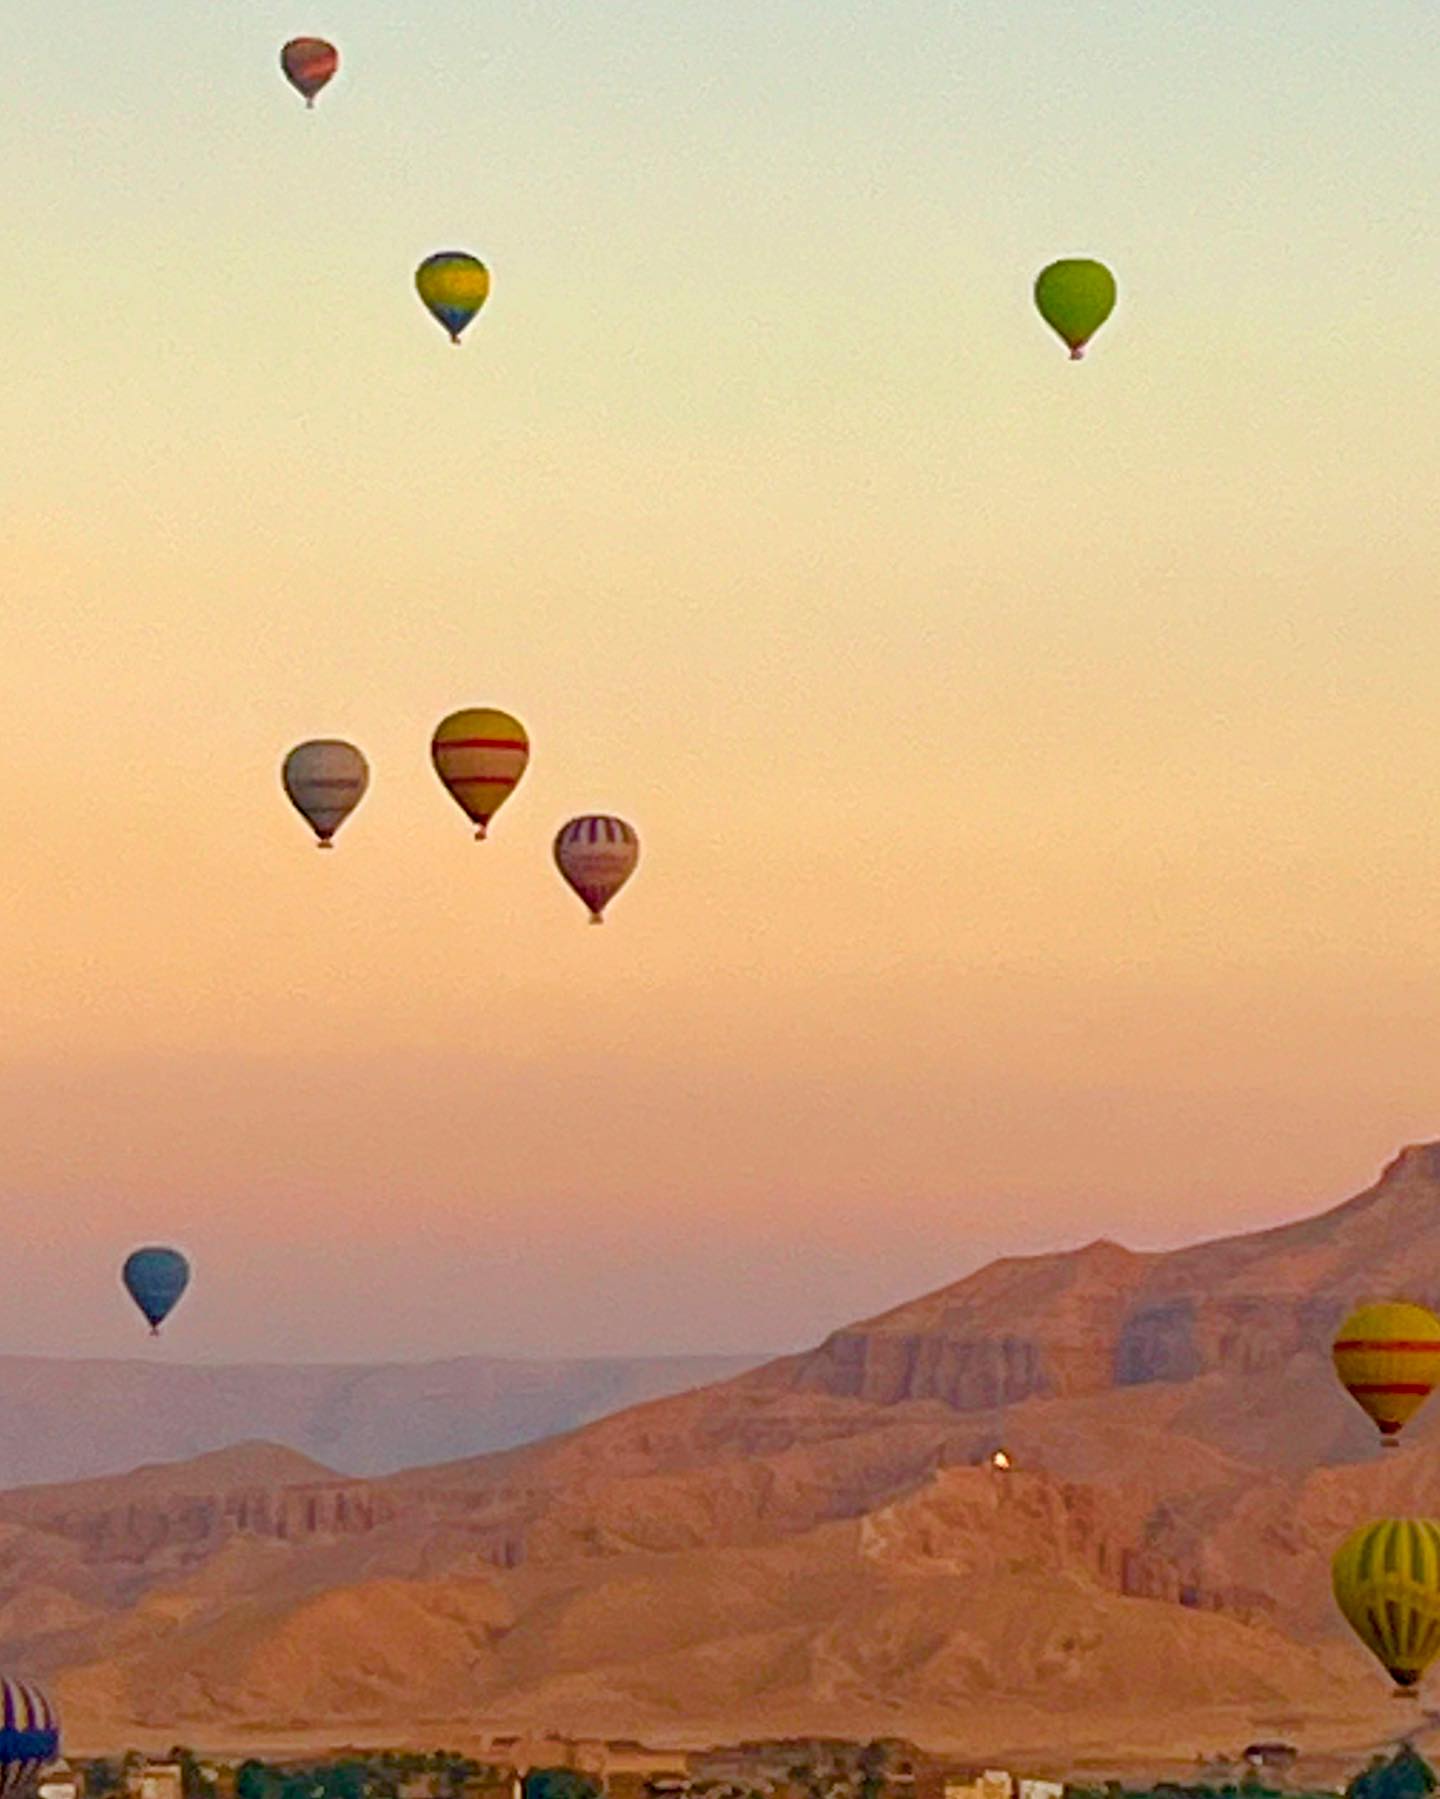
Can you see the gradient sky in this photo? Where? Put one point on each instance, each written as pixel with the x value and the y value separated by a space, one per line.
pixel 1036 765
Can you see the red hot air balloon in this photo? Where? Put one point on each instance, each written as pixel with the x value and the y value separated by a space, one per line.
pixel 309 62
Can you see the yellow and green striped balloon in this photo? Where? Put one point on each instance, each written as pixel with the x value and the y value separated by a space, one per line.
pixel 1387 1583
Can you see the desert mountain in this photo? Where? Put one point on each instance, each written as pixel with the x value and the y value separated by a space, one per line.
pixel 364 1419
pixel 816 1545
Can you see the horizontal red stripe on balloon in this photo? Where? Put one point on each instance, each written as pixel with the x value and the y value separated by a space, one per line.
pixel 1386 1345
pixel 481 780
pixel 478 743
pixel 1389 1386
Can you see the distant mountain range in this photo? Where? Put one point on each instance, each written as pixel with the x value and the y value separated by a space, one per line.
pixel 67 1420
pixel 818 1545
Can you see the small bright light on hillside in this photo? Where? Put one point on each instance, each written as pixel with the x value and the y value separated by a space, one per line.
pixel 1000 1459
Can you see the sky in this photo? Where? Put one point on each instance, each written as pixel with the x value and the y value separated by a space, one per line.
pixel 1034 763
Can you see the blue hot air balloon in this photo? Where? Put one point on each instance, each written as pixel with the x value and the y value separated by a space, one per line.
pixel 155 1278
pixel 29 1734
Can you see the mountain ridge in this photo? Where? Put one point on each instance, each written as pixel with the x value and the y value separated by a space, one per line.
pixel 367 1418
pixel 818 1544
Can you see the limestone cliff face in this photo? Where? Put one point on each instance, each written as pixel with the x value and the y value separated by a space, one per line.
pixel 974 1521
pixel 142 1528
pixel 1103 1317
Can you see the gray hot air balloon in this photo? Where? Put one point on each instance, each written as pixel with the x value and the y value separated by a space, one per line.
pixel 326 780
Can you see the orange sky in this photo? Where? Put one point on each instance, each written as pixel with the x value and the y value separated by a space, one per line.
pixel 1034 764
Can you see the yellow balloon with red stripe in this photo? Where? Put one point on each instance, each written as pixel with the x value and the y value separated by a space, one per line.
pixel 1388 1359
pixel 1386 1578
pixel 480 755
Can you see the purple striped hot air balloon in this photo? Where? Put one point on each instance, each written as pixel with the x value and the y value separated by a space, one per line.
pixel 29 1735
pixel 597 855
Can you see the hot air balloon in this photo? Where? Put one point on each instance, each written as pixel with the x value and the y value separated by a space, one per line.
pixel 454 286
pixel 326 780
pixel 597 856
pixel 309 62
pixel 29 1734
pixel 480 754
pixel 1387 1583
pixel 155 1278
pixel 1388 1360
pixel 1075 297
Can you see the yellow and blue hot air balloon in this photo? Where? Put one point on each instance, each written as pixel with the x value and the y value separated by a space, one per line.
pixel 1388 1360
pixel 453 286
pixel 1386 1577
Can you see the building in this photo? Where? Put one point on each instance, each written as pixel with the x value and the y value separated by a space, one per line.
pixel 60 1781
pixel 990 1783
pixel 496 1786
pixel 625 1769
pixel 155 1780
pixel 1042 1789
pixel 1277 1757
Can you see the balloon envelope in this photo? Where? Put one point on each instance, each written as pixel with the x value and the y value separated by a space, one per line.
pixel 155 1278
pixel 480 755
pixel 309 62
pixel 453 286
pixel 1075 297
pixel 29 1734
pixel 1386 1578
pixel 326 780
pixel 1388 1359
pixel 597 856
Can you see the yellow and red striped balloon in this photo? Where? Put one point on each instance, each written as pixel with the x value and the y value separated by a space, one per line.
pixel 480 755
pixel 1388 1359
pixel 309 63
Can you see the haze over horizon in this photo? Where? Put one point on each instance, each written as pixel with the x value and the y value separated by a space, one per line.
pixel 1034 764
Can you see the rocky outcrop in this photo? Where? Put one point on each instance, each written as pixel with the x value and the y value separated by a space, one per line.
pixel 135 1531
pixel 1103 1317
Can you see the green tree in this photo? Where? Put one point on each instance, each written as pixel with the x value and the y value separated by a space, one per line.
pixel 559 1783
pixel 252 1780
pixel 1405 1775
pixel 874 1764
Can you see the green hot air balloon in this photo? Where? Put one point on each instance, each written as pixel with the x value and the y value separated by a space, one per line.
pixel 1075 297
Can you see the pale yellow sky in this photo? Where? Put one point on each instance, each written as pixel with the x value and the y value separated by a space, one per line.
pixel 1034 764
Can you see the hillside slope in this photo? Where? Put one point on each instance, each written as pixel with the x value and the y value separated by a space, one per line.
pixel 815 1545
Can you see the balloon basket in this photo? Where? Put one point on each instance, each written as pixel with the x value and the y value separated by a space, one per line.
pixel 1389 1442
pixel 1406 1693
pixel 595 918
pixel 324 844
pixel 480 834
pixel 1077 353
